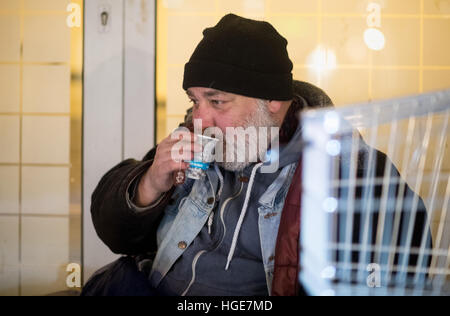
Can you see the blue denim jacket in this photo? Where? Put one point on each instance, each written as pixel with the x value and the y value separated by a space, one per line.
pixel 184 219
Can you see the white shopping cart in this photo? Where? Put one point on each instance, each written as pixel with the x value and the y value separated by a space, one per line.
pixel 369 226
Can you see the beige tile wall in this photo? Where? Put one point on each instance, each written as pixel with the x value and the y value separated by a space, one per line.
pixel 10 33
pixel 35 131
pixel 45 40
pixel 9 190
pixel 45 190
pixel 45 139
pixel 39 84
pixel 416 57
pixel 9 255
pixel 9 139
pixel 10 88
pixel 439 7
pixel 44 254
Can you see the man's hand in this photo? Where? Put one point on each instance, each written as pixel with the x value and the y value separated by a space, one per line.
pixel 168 159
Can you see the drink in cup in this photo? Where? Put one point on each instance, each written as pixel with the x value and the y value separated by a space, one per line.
pixel 200 163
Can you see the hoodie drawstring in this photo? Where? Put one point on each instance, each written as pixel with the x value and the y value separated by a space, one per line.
pixel 241 217
pixel 219 174
pixel 211 215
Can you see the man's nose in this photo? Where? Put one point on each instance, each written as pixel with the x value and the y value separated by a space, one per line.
pixel 204 112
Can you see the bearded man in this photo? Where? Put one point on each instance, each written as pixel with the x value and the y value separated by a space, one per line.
pixel 235 231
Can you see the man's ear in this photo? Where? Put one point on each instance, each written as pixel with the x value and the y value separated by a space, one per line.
pixel 274 106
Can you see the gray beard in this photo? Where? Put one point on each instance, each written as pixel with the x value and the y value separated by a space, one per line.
pixel 260 118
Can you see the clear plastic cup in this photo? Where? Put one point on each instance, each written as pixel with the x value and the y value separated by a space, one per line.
pixel 200 163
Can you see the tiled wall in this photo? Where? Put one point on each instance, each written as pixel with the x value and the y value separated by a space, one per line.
pixel 35 133
pixel 415 59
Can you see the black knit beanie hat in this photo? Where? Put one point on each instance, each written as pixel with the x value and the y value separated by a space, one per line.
pixel 244 57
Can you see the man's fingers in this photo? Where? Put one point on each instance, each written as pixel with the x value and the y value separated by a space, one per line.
pixel 180 149
pixel 178 145
pixel 177 156
pixel 174 151
pixel 177 136
pixel 174 166
pixel 186 156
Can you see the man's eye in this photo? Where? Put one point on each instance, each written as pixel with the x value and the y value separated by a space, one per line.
pixel 194 102
pixel 216 102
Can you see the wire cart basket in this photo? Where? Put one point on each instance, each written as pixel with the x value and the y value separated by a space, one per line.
pixel 376 197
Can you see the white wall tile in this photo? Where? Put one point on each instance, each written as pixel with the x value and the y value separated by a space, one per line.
pixel 9 255
pixel 344 6
pixel 360 6
pixel 242 6
pixel 59 5
pixel 9 241
pixel 46 38
pixel 45 240
pixel 346 78
pixel 9 38
pixel 177 100
pixel 343 37
pixel 9 5
pixel 9 281
pixel 300 33
pixel 38 280
pixel 388 83
pixel 305 74
pixel 9 88
pixel 402 43
pixel 434 80
pixel 436 43
pixel 45 254
pixel 188 5
pixel 46 89
pixel 9 138
pixel 9 189
pixel 440 7
pixel 45 190
pixel 293 6
pixel 46 139
pixel 172 123
pixel 182 45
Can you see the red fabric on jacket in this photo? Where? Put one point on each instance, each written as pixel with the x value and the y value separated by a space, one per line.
pixel 285 278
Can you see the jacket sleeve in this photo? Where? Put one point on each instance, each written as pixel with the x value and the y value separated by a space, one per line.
pixel 123 227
